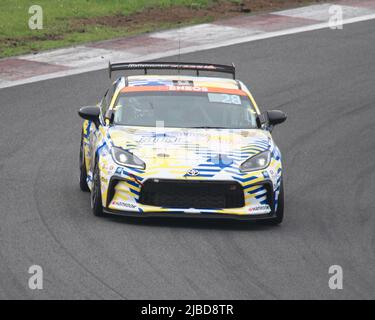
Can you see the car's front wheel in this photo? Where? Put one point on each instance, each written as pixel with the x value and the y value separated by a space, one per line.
pixel 82 169
pixel 280 206
pixel 96 194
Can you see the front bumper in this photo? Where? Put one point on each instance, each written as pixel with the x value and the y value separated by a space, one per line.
pixel 172 214
pixel 127 198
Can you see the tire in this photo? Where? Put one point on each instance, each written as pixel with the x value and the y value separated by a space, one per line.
pixel 96 195
pixel 280 207
pixel 82 170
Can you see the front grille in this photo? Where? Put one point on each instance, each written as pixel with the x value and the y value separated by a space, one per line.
pixel 192 194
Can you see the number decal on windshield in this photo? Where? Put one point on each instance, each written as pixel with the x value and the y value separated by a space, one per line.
pixel 224 98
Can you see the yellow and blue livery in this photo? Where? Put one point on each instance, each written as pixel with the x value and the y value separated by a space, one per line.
pixel 178 145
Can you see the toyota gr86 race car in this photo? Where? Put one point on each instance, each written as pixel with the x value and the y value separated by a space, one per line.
pixel 186 146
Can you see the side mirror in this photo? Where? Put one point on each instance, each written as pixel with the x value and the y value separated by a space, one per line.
pixel 271 117
pixel 276 117
pixel 90 113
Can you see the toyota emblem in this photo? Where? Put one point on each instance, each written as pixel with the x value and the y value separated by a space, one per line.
pixel 192 172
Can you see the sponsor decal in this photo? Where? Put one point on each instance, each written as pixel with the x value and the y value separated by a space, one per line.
pixel 272 173
pixel 123 204
pixel 158 139
pixel 119 170
pixel 163 155
pixel 183 83
pixel 188 88
pixel 259 208
pixel 154 83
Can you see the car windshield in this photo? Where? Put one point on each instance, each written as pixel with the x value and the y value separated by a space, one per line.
pixel 185 110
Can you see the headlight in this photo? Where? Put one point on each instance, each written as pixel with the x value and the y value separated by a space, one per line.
pixel 257 162
pixel 125 158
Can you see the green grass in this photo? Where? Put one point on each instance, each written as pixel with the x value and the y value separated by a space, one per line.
pixel 58 15
pixel 64 20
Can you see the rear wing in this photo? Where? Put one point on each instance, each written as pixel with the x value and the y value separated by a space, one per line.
pixel 231 69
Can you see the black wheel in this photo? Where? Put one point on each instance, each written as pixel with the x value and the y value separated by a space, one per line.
pixel 280 207
pixel 82 170
pixel 96 195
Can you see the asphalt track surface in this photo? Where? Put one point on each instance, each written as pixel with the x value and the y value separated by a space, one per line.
pixel 324 80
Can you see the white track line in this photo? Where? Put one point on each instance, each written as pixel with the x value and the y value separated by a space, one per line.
pixel 190 49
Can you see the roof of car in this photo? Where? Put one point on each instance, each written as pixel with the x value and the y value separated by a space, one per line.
pixel 170 80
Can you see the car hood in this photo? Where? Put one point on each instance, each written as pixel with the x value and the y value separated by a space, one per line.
pixel 189 146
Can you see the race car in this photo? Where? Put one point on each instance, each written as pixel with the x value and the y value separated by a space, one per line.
pixel 181 146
